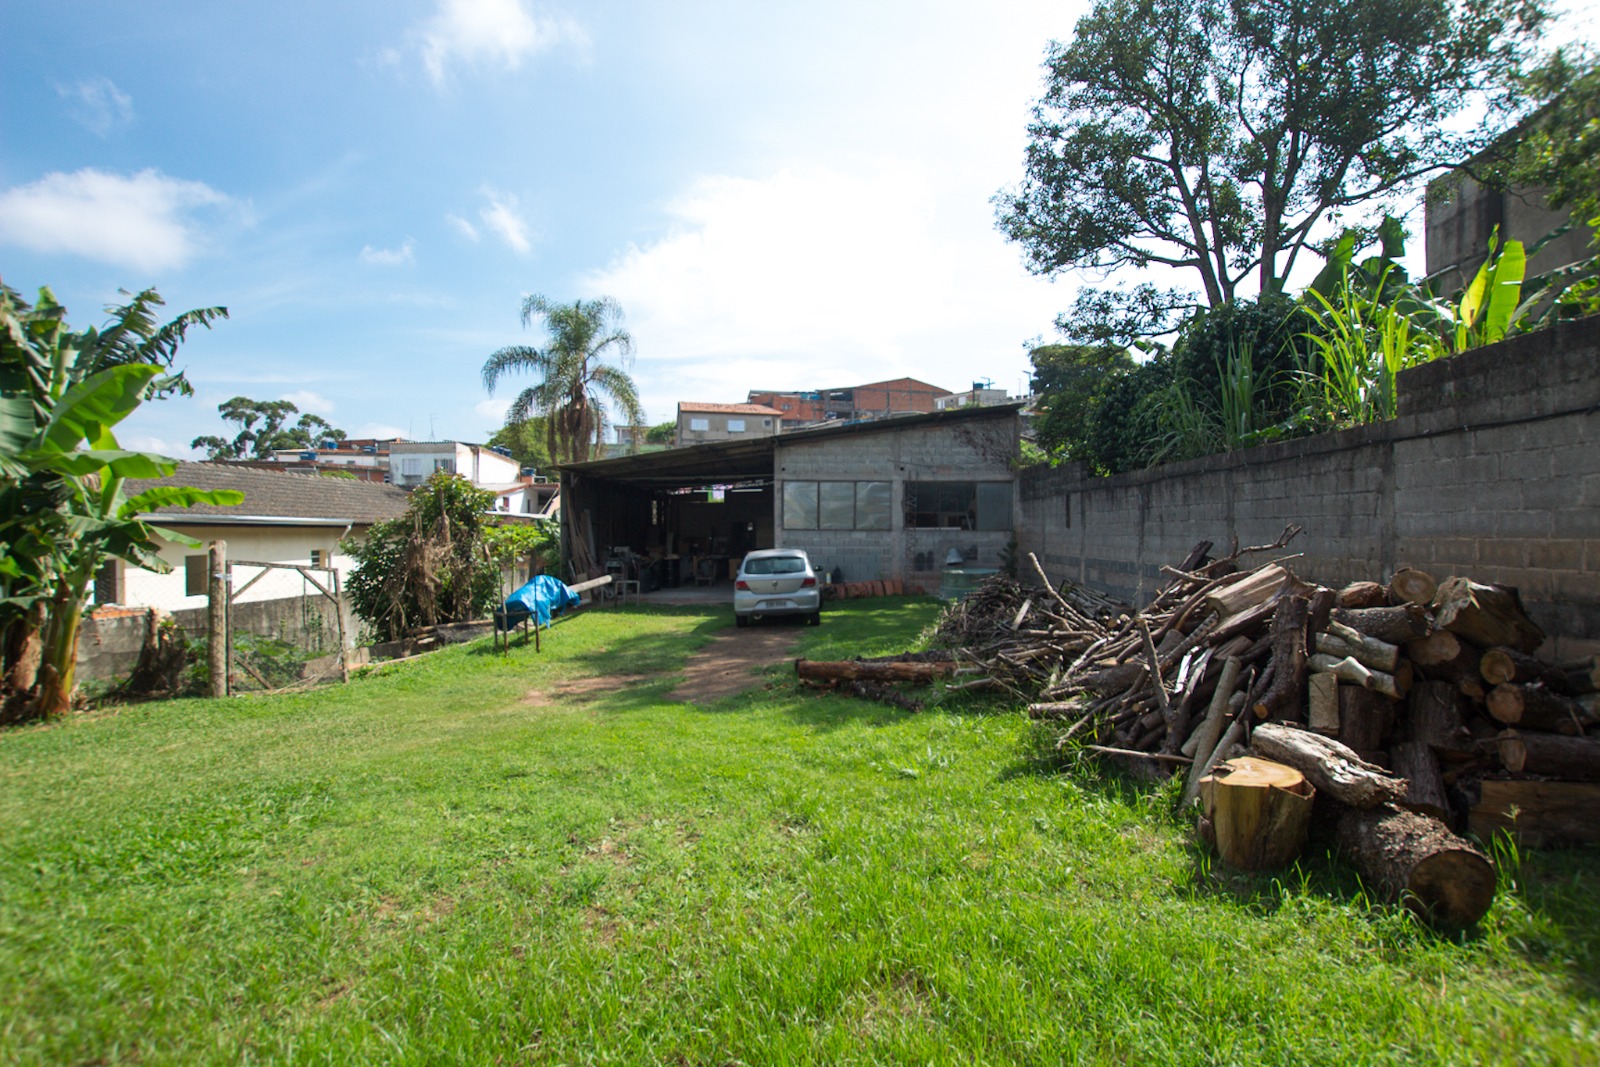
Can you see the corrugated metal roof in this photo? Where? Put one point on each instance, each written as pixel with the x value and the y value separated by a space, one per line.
pixel 734 460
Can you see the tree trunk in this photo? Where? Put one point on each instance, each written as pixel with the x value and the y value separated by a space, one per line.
pixel 1284 699
pixel 1443 654
pixel 1550 755
pixel 1415 762
pixel 1502 665
pixel 1365 718
pixel 1363 595
pixel 1396 625
pixel 1352 670
pixel 1329 765
pixel 1532 707
pixel 1435 719
pixel 854 671
pixel 1258 812
pixel 1410 586
pixel 1343 641
pixel 1485 614
pixel 1417 860
pixel 1322 704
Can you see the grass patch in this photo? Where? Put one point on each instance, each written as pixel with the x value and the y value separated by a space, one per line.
pixel 427 867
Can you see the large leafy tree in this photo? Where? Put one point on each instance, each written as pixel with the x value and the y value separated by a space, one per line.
pixel 574 380
pixel 63 509
pixel 1070 381
pixel 264 426
pixel 527 442
pixel 1221 138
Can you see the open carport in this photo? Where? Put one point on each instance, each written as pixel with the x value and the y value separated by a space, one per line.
pixel 672 518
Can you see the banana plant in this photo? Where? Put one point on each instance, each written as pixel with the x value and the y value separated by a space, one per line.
pixel 1488 308
pixel 63 502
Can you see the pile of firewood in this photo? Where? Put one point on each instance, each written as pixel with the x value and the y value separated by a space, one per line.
pixel 1416 709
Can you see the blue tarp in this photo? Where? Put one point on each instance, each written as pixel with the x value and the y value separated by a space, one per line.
pixel 542 597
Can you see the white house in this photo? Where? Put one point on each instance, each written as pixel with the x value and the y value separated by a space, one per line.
pixel 285 518
pixel 413 462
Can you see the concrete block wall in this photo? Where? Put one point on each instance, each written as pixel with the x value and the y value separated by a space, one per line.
pixel 972 449
pixel 1492 471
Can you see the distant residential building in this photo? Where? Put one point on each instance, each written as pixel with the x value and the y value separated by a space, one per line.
pixel 526 498
pixel 413 462
pixel 874 400
pixel 699 423
pixel 799 409
pixel 982 394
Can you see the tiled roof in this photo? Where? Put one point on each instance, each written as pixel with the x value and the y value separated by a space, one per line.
pixel 730 409
pixel 281 494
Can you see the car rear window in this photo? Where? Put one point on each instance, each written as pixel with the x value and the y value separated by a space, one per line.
pixel 775 565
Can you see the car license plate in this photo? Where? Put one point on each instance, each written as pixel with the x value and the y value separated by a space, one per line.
pixel 773 605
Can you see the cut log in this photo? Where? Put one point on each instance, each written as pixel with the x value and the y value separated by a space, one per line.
pixel 1550 755
pixel 1502 665
pixel 1284 699
pixel 1411 586
pixel 1485 614
pixel 1416 763
pixel 1330 766
pixel 1322 602
pixel 1341 641
pixel 1349 669
pixel 1537 814
pixel 1259 812
pixel 854 671
pixel 1363 595
pixel 1416 860
pixel 1246 591
pixel 1435 719
pixel 1365 718
pixel 1452 657
pixel 1532 707
pixel 1396 625
pixel 1322 704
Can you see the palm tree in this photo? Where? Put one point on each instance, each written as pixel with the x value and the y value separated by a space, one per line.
pixel 573 377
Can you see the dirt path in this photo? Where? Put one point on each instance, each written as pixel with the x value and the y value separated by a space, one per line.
pixel 728 665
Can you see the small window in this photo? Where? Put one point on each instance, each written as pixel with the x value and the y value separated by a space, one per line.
pixel 800 505
pixel 319 558
pixel 699 424
pixel 194 576
pixel 446 465
pixel 736 426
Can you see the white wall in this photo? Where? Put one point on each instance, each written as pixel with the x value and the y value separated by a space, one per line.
pixel 286 544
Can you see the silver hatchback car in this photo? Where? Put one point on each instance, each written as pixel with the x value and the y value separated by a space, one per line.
pixel 776 581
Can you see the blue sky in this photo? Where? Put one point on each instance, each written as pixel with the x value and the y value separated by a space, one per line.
pixel 779 196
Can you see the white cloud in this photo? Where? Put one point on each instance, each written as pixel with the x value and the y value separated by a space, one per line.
pixel 814 277
pixel 144 221
pixel 140 442
pixel 306 400
pixel 388 257
pixel 98 105
pixel 490 34
pixel 379 430
pixel 463 227
pixel 501 217
pixel 492 411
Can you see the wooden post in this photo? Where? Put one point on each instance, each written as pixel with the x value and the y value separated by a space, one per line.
pixel 217 618
pixel 338 613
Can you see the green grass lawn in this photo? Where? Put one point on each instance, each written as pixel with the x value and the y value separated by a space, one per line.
pixel 428 866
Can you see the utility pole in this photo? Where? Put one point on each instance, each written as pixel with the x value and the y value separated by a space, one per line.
pixel 217 618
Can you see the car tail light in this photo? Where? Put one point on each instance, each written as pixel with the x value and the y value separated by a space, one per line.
pixel 742 585
pixel 808 583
